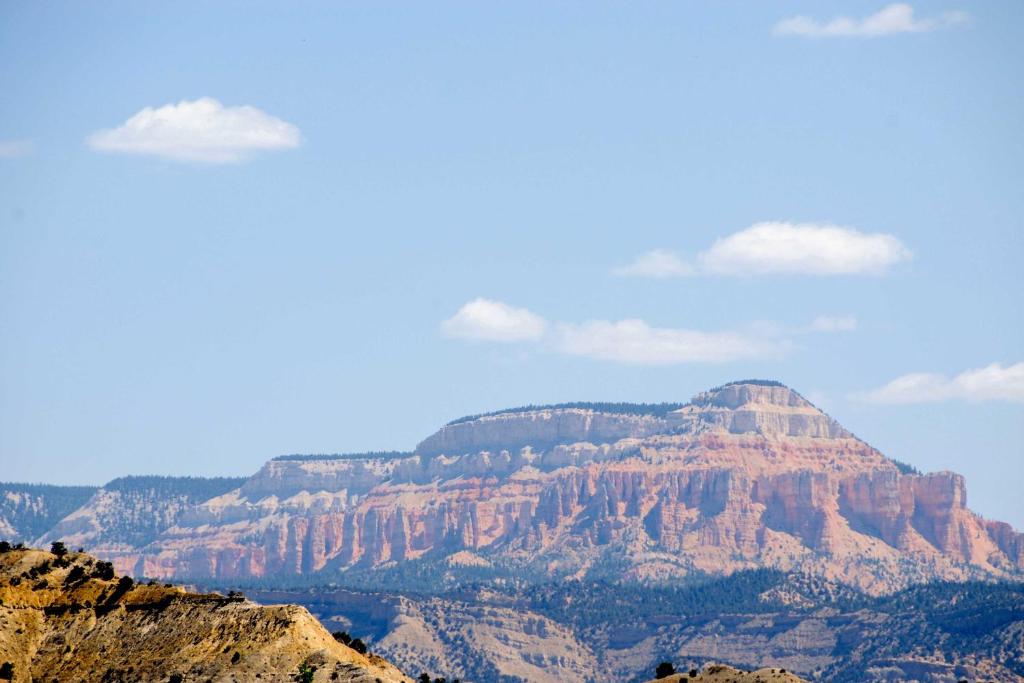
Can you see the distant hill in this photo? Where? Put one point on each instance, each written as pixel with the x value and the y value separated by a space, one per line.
pixel 29 510
pixel 132 511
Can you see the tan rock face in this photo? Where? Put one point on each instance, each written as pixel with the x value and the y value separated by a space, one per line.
pixel 747 475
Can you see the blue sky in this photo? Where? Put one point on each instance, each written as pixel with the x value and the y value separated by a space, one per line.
pixel 188 305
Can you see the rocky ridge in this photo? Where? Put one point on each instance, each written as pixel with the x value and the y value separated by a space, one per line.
pixel 67 617
pixel 721 673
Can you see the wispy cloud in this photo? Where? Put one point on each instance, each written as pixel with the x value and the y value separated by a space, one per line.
pixel 489 320
pixel 891 19
pixel 781 248
pixel 635 342
pixel 10 149
pixel 202 130
pixel 831 323
pixel 992 383
pixel 630 341
pixel 659 263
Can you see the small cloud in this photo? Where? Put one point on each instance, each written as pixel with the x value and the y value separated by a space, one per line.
pixel 635 342
pixel 892 19
pixel 785 249
pixel 202 130
pixel 802 248
pixel 10 149
pixel 630 341
pixel 828 323
pixel 659 263
pixel 487 320
pixel 992 383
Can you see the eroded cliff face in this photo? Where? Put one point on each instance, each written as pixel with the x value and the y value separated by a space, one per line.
pixel 744 476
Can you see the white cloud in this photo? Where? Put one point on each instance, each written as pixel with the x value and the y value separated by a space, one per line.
pixel 9 149
pixel 802 248
pixel 782 248
pixel 659 263
pixel 991 383
pixel 637 343
pixel 828 323
pixel 891 19
pixel 489 320
pixel 624 341
pixel 202 130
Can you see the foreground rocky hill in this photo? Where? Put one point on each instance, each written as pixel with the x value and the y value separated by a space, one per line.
pixel 576 632
pixel 746 475
pixel 67 617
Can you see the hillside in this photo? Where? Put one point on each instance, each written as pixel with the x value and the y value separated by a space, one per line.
pixel 130 512
pixel 29 510
pixel 70 618
pixel 615 633
pixel 746 475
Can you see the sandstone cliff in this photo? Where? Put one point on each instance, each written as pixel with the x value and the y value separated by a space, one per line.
pixel 69 619
pixel 746 475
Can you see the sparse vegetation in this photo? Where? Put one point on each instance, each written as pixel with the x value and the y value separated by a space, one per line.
pixel 375 455
pixel 356 644
pixel 664 670
pixel 6 671
pixel 754 382
pixel 905 468
pixel 305 673
pixel 654 409
pixel 76 574
pixel 103 570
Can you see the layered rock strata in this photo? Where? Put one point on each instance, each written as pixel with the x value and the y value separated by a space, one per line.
pixel 747 475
